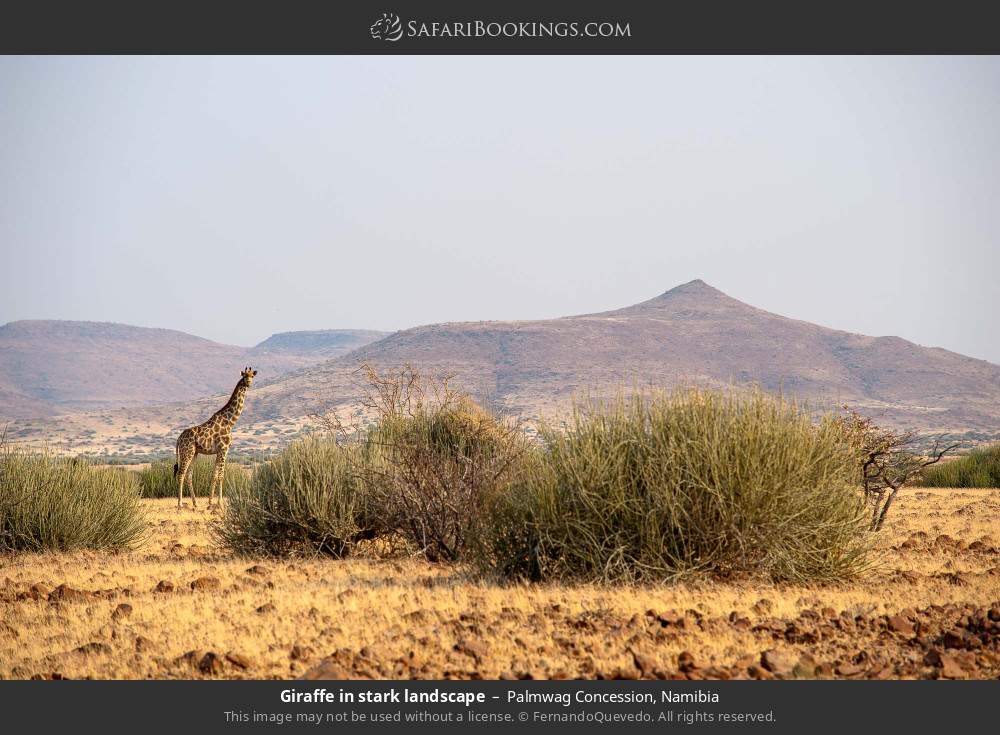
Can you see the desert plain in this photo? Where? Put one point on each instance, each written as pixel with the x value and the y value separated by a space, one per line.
pixel 179 606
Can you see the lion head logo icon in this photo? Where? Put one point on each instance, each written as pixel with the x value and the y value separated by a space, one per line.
pixel 387 28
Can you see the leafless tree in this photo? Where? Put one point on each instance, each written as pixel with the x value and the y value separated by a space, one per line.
pixel 888 460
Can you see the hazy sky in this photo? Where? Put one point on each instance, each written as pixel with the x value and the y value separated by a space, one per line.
pixel 237 197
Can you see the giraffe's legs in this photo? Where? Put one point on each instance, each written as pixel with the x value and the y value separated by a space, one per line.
pixel 218 477
pixel 194 499
pixel 211 484
pixel 185 456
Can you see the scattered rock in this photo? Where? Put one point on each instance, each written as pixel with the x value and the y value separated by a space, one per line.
pixel 778 662
pixel 668 617
pixel 211 663
pixel 93 648
pixel 955 578
pixel 330 668
pixel 966 659
pixel 38 591
pixel 164 586
pixel 205 584
pixel 763 606
pixel 849 669
pixel 259 570
pixel 645 664
pixel 239 660
pixel 741 624
pixel 899 624
pixel 65 593
pixel 122 611
pixel 267 607
pixel 686 662
pixel 623 674
pixel 300 653
pixel 950 668
pixel 142 644
pixel 473 648
pixel 933 657
pixel 191 658
pixel 759 672
pixel 956 639
pixel 805 668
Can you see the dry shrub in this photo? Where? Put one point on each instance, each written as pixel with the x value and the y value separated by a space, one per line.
pixel 61 504
pixel 432 459
pixel 417 477
pixel 660 486
pixel 306 500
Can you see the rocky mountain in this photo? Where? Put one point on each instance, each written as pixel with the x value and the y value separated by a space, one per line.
pixel 49 367
pixel 692 334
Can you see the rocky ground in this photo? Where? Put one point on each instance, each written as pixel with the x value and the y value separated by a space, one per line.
pixel 180 607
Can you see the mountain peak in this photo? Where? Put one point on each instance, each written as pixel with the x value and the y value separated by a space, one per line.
pixel 697 286
pixel 693 296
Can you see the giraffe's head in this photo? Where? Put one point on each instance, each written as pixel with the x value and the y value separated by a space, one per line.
pixel 247 376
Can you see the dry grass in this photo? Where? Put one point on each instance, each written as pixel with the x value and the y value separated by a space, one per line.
pixel 409 618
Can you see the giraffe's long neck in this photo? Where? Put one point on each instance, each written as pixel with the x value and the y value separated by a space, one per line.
pixel 228 414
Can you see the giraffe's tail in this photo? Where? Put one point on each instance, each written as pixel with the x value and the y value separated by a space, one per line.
pixel 177 469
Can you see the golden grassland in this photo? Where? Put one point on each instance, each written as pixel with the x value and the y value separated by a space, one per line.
pixel 929 609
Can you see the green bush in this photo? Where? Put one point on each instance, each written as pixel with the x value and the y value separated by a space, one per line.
pixel 61 504
pixel 658 487
pixel 305 500
pixel 978 468
pixel 158 481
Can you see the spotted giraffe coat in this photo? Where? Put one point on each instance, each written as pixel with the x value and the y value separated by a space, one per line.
pixel 211 437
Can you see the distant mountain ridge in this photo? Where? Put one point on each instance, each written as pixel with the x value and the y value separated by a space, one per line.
pixel 323 342
pixel 51 366
pixel 692 333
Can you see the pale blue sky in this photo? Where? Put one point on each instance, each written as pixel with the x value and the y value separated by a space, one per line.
pixel 233 197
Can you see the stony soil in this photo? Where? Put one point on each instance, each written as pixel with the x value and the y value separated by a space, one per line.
pixel 179 607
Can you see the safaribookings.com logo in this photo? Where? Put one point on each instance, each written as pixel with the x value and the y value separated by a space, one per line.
pixel 390 28
pixel 387 28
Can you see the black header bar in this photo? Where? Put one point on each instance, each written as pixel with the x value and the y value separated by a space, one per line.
pixel 512 27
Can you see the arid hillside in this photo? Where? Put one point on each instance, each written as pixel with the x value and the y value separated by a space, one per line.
pixel 692 334
pixel 315 344
pixel 49 367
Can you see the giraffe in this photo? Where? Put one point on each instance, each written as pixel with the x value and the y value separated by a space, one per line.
pixel 212 437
